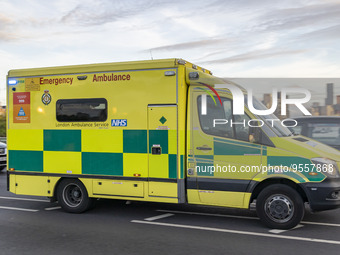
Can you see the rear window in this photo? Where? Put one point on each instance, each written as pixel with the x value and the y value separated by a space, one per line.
pixel 81 110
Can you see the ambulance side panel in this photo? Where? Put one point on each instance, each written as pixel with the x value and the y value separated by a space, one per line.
pixel 112 155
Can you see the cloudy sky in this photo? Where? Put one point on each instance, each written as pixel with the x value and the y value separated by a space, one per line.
pixel 233 38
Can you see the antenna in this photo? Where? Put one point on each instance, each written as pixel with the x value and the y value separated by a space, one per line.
pixel 151 55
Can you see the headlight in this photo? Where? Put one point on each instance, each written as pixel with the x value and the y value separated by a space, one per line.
pixel 326 166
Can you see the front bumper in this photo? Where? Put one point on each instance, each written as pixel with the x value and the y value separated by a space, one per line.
pixel 320 194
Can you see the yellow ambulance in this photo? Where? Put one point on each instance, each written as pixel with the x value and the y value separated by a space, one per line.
pixel 147 131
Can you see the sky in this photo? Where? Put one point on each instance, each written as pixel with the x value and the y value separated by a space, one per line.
pixel 241 38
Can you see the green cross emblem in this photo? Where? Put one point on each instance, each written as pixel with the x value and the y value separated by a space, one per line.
pixel 163 120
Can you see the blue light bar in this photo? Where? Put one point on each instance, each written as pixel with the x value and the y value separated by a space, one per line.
pixel 12 82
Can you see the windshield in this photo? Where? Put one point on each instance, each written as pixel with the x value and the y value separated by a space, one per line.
pixel 271 120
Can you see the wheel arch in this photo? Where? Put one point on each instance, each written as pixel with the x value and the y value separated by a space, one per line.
pixel 271 181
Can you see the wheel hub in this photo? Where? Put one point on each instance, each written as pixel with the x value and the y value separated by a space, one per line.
pixel 279 208
pixel 76 194
pixel 72 195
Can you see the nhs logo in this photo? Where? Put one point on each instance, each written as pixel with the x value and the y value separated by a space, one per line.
pixel 119 123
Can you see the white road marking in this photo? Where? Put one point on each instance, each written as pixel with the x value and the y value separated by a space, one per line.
pixel 26 199
pixel 279 231
pixel 239 232
pixel 247 217
pixel 159 217
pixel 18 209
pixel 211 214
pixel 321 223
pixel 52 208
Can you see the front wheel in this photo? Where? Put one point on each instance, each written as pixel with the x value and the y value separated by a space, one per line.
pixel 72 196
pixel 280 206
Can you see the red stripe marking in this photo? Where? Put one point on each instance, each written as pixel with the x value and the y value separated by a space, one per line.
pixel 213 90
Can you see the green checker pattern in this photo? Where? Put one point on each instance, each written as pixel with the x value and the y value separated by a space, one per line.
pixel 95 163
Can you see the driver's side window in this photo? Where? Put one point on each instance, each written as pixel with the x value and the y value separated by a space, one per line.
pixel 239 128
pixel 239 122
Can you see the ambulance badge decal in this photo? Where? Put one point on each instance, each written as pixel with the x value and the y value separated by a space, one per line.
pixel 46 97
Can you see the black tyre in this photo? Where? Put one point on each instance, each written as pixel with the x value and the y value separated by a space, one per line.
pixel 72 196
pixel 280 206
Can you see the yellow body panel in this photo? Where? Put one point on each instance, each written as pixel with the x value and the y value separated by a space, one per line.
pixel 118 188
pixel 158 166
pixel 12 186
pixel 62 162
pixel 25 139
pixel 162 189
pixel 225 198
pixel 173 141
pixel 102 140
pixel 54 180
pixel 145 198
pixel 219 198
pixel 32 185
pixel 135 164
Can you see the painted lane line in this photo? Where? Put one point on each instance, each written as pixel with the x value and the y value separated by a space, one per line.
pixel 279 231
pixel 159 217
pixel 321 223
pixel 247 217
pixel 52 208
pixel 239 232
pixel 210 214
pixel 26 199
pixel 18 209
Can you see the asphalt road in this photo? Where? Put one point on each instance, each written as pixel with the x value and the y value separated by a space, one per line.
pixel 32 225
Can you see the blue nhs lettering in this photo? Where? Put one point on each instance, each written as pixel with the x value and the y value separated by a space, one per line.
pixel 119 123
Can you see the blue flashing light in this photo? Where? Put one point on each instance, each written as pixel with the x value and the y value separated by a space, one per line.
pixel 12 82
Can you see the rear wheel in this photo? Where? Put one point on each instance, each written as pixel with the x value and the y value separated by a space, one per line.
pixel 280 206
pixel 73 197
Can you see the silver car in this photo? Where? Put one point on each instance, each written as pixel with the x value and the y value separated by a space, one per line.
pixel 3 156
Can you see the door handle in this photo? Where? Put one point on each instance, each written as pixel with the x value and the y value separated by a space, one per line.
pixel 204 148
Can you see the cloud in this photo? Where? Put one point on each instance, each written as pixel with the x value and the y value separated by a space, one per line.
pixel 5 21
pixel 92 13
pixel 331 32
pixel 5 36
pixel 303 16
pixel 190 45
pixel 260 54
pixel 5 25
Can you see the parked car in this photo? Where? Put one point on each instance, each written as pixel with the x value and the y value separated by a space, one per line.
pixel 325 129
pixel 3 156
